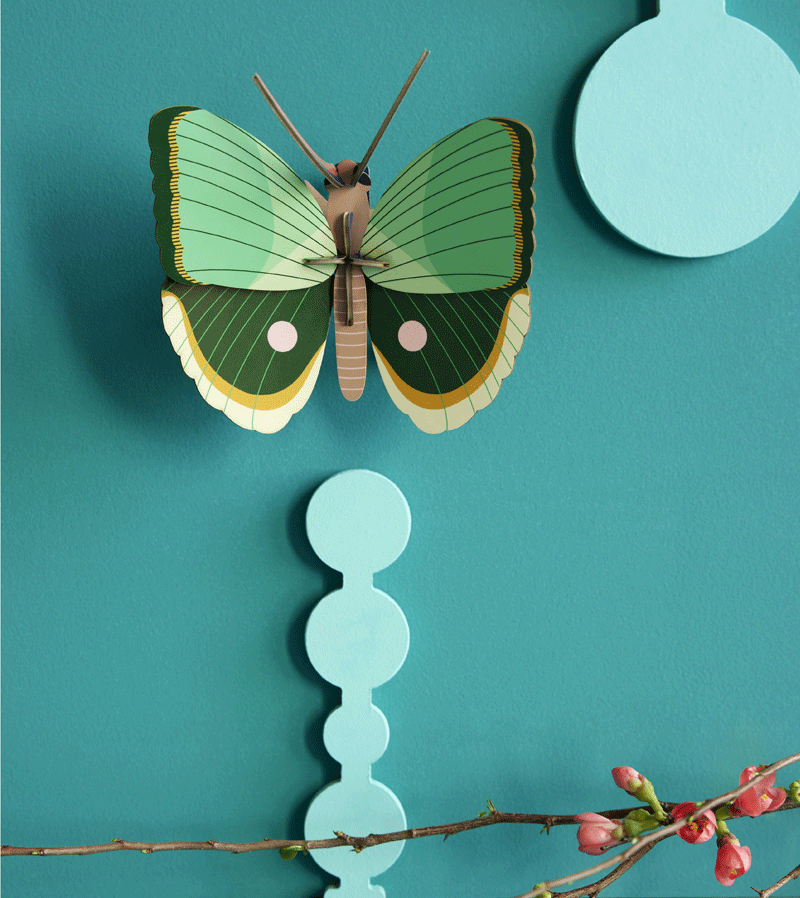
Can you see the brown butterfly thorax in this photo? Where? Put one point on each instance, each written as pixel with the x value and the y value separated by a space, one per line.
pixel 352 198
pixel 347 213
pixel 351 338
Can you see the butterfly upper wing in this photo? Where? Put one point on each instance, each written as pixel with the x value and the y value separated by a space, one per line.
pixel 229 211
pixel 235 225
pixel 449 314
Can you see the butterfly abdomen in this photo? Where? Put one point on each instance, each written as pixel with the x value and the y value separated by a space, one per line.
pixel 351 340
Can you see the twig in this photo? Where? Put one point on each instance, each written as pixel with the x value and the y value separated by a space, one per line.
pixel 356 842
pixel 597 887
pixel 359 843
pixel 152 847
pixel 765 893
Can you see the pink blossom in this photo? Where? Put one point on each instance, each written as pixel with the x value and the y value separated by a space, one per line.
pixel 597 834
pixel 762 797
pixel 732 860
pixel 628 779
pixel 701 829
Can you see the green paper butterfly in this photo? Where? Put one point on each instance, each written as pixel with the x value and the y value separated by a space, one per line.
pixel 256 259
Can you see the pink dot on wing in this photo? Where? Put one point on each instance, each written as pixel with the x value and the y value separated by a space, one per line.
pixel 282 336
pixel 412 336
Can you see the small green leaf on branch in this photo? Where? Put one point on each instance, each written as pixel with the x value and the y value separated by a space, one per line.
pixel 290 851
pixel 492 809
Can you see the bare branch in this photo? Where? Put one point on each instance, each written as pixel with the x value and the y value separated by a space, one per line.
pixel 356 842
pixel 152 847
pixel 765 893
pixel 595 889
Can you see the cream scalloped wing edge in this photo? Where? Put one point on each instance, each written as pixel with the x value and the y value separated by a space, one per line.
pixel 264 414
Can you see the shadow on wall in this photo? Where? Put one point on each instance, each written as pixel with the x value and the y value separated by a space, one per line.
pixel 98 242
pixel 564 156
pixel 331 695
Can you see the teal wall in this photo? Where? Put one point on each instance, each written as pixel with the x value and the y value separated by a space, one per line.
pixel 603 565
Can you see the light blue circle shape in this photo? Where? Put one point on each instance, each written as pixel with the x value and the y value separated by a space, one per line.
pixel 358 522
pixel 369 723
pixel 357 637
pixel 358 811
pixel 687 131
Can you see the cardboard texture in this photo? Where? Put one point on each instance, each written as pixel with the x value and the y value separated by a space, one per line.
pixel 437 275
pixel 687 131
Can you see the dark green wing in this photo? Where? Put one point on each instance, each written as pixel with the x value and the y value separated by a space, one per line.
pixel 443 356
pixel 253 354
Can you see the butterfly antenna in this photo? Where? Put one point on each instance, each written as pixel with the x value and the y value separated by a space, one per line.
pixel 301 142
pixel 389 117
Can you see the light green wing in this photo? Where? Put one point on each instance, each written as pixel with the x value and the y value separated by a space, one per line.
pixel 228 210
pixel 459 218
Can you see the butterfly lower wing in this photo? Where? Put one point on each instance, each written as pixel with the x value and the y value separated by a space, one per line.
pixel 255 355
pixel 228 210
pixel 443 356
pixel 459 218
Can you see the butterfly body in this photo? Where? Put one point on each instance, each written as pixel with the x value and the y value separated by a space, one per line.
pixel 256 260
pixel 347 212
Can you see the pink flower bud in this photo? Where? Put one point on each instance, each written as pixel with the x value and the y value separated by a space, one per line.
pixel 628 779
pixel 640 787
pixel 597 834
pixel 762 797
pixel 701 829
pixel 732 860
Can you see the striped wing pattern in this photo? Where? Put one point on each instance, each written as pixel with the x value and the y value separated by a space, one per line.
pixel 255 355
pixel 459 218
pixel 470 342
pixel 228 210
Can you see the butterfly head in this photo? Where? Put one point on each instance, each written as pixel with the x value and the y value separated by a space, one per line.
pixel 345 172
